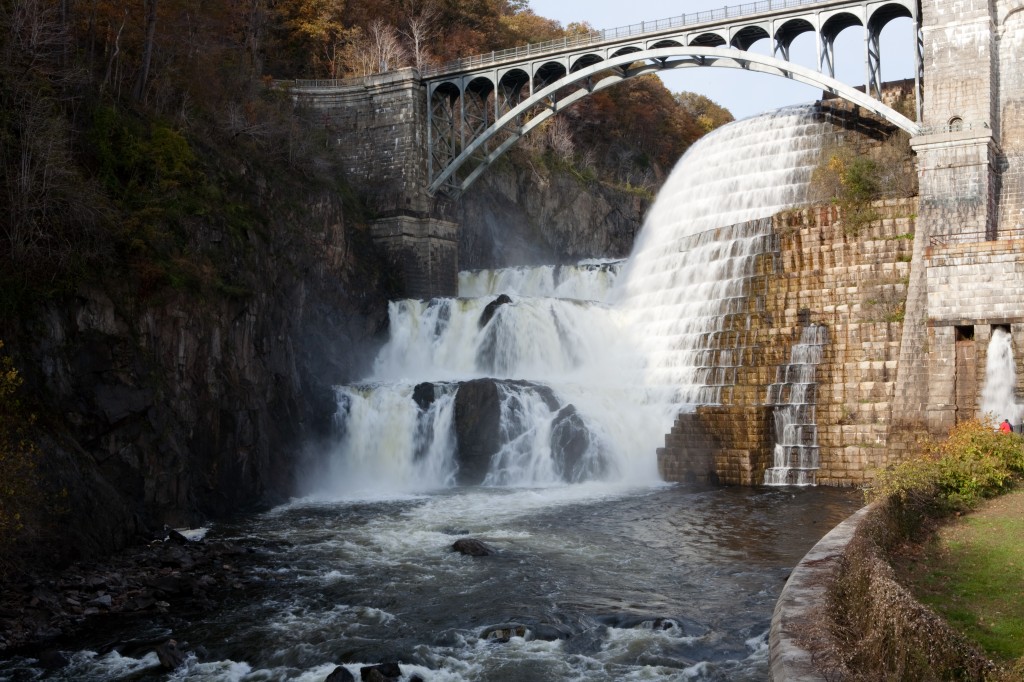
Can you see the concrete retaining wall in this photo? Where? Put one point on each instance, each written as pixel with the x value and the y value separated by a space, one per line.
pixel 806 588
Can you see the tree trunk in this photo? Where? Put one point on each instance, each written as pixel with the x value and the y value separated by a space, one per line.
pixel 147 52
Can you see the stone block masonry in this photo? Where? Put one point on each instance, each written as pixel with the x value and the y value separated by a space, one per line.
pixel 378 125
pixel 853 279
pixel 1011 119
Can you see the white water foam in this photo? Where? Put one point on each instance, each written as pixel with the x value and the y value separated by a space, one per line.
pixel 998 396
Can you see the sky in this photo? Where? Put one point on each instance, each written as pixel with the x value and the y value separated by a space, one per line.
pixel 745 93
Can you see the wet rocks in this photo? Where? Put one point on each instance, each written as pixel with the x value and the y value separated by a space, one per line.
pixel 570 441
pixel 382 672
pixel 157 578
pixel 340 674
pixel 479 432
pixel 472 547
pixel 424 395
pixel 170 655
pixel 501 634
pixel 477 429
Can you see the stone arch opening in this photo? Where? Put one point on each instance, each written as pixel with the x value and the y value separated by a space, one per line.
pixel 787 33
pixel 548 73
pixel 511 86
pixel 831 30
pixel 630 49
pixel 665 43
pixel 478 105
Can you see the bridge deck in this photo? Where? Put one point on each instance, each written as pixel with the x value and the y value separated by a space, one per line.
pixel 644 29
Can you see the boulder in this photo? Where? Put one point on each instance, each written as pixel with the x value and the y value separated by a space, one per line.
pixel 477 423
pixel 477 429
pixel 424 395
pixel 472 547
pixel 503 633
pixel 570 440
pixel 492 308
pixel 380 672
pixel 340 674
pixel 170 655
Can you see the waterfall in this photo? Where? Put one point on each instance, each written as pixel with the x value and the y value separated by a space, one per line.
pixel 591 279
pixel 998 397
pixel 588 364
pixel 696 253
pixel 795 459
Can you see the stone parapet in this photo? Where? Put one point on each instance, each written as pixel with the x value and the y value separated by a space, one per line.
pixel 804 593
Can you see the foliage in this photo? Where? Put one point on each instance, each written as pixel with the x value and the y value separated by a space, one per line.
pixel 876 630
pixel 18 461
pixel 852 180
pixel 709 114
pixel 974 462
pixel 636 131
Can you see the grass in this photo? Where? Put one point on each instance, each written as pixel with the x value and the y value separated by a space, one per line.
pixel 972 573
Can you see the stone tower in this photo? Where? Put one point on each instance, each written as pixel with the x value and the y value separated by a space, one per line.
pixel 968 274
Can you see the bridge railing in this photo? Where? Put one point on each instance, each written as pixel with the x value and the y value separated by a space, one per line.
pixel 608 35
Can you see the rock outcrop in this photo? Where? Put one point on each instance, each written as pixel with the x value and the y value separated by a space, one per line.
pixel 173 406
pixel 515 214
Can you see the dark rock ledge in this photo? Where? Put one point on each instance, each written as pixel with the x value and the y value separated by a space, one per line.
pixel 167 576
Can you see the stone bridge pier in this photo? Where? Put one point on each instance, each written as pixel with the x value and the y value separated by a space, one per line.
pixel 377 125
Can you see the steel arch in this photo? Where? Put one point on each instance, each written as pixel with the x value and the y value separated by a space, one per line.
pixel 618 71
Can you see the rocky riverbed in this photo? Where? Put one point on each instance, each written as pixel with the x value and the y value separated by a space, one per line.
pixel 169 578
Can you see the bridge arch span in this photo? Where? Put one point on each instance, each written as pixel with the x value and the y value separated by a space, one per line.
pixel 559 95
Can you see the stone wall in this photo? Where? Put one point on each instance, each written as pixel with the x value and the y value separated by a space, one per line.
pixel 851 278
pixel 972 288
pixel 1011 118
pixel 377 124
pixel 960 60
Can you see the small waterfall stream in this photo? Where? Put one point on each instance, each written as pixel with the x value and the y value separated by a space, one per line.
pixel 796 455
pixel 998 396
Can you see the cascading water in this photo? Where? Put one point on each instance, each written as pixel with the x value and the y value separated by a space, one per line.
pixel 624 352
pixel 998 396
pixel 695 255
pixel 796 454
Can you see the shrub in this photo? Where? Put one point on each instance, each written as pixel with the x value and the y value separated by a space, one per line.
pixel 974 462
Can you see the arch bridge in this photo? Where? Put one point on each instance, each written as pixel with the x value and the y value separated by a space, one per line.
pixel 480 106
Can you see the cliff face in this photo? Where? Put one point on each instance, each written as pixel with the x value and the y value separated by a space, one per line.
pixel 521 213
pixel 181 405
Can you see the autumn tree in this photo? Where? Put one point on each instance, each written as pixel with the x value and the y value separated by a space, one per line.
pixel 708 114
pixel 526 27
pixel 421 21
pixel 320 26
